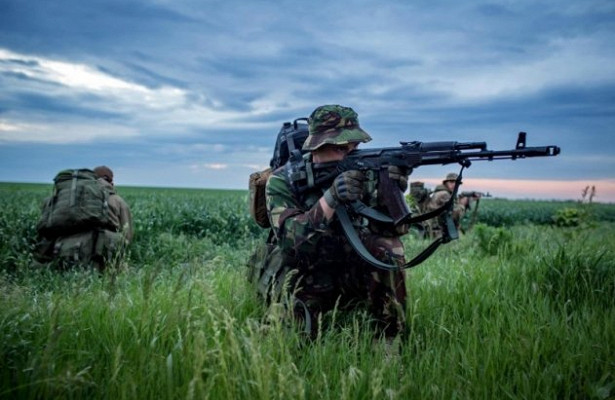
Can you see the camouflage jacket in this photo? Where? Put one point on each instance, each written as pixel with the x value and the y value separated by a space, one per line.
pixel 299 224
pixel 439 197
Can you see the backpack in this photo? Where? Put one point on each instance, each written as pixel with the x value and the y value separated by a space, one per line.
pixel 79 203
pixel 288 145
pixel 289 142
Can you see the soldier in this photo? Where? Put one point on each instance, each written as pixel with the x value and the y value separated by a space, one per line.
pixel 441 194
pixel 417 200
pixel 310 261
pixel 84 223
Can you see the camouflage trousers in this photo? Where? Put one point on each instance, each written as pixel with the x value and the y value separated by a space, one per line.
pixel 338 277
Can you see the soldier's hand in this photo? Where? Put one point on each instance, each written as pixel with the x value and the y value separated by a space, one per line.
pixel 400 175
pixel 347 187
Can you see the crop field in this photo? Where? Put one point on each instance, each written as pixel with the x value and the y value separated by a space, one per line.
pixel 522 306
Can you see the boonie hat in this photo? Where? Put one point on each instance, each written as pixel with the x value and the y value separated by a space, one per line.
pixel 334 124
pixel 450 177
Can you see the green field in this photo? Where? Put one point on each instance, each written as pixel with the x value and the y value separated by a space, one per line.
pixel 521 307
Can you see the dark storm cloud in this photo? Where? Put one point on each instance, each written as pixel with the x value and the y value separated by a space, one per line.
pixel 208 83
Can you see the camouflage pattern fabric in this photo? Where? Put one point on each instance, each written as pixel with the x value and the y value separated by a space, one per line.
pixel 334 124
pixel 313 259
pixel 439 198
pixel 418 196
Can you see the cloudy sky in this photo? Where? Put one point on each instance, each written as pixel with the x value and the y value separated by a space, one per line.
pixel 191 93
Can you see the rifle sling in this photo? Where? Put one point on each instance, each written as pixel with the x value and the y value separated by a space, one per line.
pixel 359 247
pixel 362 209
pixel 450 232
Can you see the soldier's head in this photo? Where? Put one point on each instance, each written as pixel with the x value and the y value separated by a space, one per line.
pixel 450 179
pixel 104 172
pixel 334 129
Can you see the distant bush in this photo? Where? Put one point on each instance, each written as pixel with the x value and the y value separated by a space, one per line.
pixel 503 212
pixel 568 217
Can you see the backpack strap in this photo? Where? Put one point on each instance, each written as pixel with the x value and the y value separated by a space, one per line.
pixel 73 188
pixel 107 192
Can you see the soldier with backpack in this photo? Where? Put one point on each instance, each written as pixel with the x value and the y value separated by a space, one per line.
pixel 84 222
pixel 308 262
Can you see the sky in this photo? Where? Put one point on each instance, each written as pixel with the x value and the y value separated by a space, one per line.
pixel 187 93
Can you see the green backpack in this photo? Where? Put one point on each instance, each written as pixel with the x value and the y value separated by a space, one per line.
pixel 78 203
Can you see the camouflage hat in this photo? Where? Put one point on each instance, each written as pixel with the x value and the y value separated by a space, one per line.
pixel 334 124
pixel 450 177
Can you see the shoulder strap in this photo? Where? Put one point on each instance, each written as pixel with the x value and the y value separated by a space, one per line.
pixel 359 247
pixel 360 208
pixel 450 232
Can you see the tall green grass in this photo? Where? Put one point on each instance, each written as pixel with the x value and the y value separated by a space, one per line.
pixel 533 320
pixel 523 311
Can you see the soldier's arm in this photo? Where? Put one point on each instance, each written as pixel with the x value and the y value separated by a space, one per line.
pixel 121 217
pixel 295 227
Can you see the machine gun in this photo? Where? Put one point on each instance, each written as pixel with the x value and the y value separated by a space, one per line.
pixel 305 176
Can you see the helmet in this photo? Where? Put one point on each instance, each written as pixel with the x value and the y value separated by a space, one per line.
pixel 450 177
pixel 334 124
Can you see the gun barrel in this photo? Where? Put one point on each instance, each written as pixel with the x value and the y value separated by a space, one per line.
pixel 471 146
pixel 542 151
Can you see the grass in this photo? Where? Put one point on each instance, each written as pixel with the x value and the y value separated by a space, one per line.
pixel 523 311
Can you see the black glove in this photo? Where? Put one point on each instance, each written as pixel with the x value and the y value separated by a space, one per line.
pixel 400 175
pixel 347 187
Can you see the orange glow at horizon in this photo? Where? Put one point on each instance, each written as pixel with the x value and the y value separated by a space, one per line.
pixel 537 189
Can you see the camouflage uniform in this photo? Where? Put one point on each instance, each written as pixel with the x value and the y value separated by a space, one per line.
pixel 326 271
pixel 91 248
pixel 439 197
